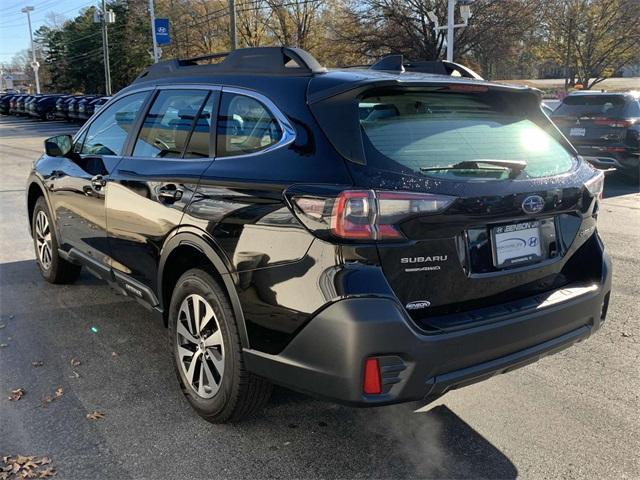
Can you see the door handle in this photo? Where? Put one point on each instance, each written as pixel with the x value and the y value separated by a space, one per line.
pixel 98 181
pixel 169 193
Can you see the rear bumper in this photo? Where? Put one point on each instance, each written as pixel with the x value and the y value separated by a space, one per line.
pixel 326 358
pixel 601 158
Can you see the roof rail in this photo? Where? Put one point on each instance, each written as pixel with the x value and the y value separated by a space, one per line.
pixel 396 63
pixel 257 60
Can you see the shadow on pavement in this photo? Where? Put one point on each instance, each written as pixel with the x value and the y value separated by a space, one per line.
pixel 617 184
pixel 151 432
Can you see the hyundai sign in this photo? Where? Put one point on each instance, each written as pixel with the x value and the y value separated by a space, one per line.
pixel 162 31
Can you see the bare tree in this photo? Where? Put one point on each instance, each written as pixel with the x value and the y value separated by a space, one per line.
pixel 294 21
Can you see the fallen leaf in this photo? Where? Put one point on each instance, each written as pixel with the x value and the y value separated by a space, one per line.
pixel 75 362
pixel 47 472
pixel 16 394
pixel 626 334
pixel 25 466
pixel 59 392
pixel 37 363
pixel 114 354
pixel 30 465
pixel 75 374
pixel 11 317
pixel 95 415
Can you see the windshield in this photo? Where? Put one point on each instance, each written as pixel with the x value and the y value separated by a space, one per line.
pixel 607 106
pixel 414 132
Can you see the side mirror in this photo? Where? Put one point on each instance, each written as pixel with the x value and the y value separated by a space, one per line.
pixel 58 146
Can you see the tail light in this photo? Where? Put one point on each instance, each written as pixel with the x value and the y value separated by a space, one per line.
pixel 613 123
pixel 365 215
pixel 595 185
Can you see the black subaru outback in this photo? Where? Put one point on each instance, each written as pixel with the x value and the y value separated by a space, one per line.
pixel 370 235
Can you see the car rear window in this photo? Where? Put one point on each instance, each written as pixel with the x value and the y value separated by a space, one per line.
pixel 607 106
pixel 414 131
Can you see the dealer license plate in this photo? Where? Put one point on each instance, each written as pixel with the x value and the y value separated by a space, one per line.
pixel 516 244
pixel 577 132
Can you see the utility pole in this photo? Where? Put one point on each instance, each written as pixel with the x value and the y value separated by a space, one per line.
pixel 451 12
pixel 156 54
pixel 232 24
pixel 105 17
pixel 34 63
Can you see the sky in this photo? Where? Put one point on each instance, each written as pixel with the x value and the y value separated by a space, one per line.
pixel 14 30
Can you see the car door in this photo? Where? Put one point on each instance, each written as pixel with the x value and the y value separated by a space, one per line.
pixel 79 183
pixel 155 180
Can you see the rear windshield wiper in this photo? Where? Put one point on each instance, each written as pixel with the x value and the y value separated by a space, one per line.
pixel 514 166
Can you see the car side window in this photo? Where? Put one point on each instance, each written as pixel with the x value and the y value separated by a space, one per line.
pixel 244 126
pixel 198 146
pixel 166 127
pixel 77 146
pixel 107 134
pixel 634 109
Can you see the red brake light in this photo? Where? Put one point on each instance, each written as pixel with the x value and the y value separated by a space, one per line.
pixel 371 384
pixel 466 88
pixel 613 123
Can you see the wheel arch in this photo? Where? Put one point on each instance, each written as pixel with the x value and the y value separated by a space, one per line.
pixel 193 249
pixel 34 192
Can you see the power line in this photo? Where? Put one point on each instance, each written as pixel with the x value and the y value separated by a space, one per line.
pixel 46 13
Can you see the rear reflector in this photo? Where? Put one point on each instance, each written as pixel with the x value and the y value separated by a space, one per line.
pixel 371 384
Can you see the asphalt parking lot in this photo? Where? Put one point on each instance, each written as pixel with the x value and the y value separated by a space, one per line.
pixel 573 415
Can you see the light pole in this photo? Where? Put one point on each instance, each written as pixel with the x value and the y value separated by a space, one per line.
pixel 465 13
pixel 156 53
pixel 34 63
pixel 232 25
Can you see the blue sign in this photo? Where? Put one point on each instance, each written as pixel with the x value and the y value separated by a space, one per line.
pixel 162 31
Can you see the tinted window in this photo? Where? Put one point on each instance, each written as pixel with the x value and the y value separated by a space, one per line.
pixel 245 125
pixel 166 127
pixel 610 106
pixel 108 132
pixel 198 146
pixel 407 132
pixel 77 146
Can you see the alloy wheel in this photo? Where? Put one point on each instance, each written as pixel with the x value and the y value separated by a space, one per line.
pixel 200 346
pixel 43 240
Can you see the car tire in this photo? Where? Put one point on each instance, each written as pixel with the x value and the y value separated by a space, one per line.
pixel 207 352
pixel 52 266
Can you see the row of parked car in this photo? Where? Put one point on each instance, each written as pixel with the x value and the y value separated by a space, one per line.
pixel 72 108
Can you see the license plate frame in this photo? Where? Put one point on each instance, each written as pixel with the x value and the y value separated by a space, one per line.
pixel 518 243
pixel 577 132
